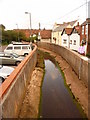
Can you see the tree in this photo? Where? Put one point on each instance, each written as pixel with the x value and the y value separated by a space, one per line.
pixel 2 27
pixel 32 38
pixel 8 36
pixel 11 35
pixel 21 36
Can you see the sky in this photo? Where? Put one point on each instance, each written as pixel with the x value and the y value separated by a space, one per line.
pixel 45 12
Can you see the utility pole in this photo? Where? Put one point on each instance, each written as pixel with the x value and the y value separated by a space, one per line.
pixel 18 32
pixel 86 9
pixel 30 22
pixel 39 26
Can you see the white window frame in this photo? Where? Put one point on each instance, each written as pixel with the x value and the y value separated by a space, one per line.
pixel 74 42
pixel 64 41
pixel 71 42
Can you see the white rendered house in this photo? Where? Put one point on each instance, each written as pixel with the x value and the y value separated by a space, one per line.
pixel 66 37
pixel 71 38
pixel 75 39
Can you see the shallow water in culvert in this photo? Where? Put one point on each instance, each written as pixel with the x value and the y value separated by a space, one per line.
pixel 56 101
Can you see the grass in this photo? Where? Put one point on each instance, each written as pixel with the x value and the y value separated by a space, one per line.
pixel 41 96
pixel 88 55
pixel 40 60
pixel 40 63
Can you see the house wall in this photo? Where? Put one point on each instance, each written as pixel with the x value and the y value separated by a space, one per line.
pixel 57 36
pixel 77 38
pixel 83 36
pixel 53 35
pixel 86 36
pixel 64 36
pixel 60 37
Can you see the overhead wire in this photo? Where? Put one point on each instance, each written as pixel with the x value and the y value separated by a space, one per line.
pixel 68 13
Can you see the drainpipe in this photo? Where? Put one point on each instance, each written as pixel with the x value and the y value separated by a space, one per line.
pixel 80 66
pixel 68 41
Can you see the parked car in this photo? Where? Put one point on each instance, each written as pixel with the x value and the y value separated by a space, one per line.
pixel 5 71
pixel 20 49
pixel 10 59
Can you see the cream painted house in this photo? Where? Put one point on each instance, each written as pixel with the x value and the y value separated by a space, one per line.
pixel 57 30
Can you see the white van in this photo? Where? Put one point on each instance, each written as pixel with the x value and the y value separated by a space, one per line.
pixel 20 49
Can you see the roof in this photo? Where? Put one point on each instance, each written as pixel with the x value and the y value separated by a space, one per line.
pixel 72 22
pixel 87 21
pixel 67 31
pixel 60 27
pixel 78 29
pixel 45 34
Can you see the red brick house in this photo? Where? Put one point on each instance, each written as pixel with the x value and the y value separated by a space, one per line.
pixel 85 33
pixel 45 34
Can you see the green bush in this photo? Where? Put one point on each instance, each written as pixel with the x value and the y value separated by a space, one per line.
pixel 7 36
pixel 88 55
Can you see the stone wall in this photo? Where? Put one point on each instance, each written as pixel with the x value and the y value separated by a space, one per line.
pixel 13 89
pixel 79 65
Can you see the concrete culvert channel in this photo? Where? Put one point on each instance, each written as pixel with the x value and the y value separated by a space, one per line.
pixel 57 101
pixel 54 100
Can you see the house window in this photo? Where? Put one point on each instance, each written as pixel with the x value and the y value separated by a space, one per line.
pixel 74 31
pixel 86 30
pixel 64 41
pixel 82 29
pixel 70 41
pixel 74 42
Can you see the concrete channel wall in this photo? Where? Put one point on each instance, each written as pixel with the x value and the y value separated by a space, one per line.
pixel 13 89
pixel 77 62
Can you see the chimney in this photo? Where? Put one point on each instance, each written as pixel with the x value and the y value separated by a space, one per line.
pixel 77 23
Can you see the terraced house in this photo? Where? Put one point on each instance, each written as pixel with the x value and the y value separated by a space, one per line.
pixel 58 28
pixel 71 37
